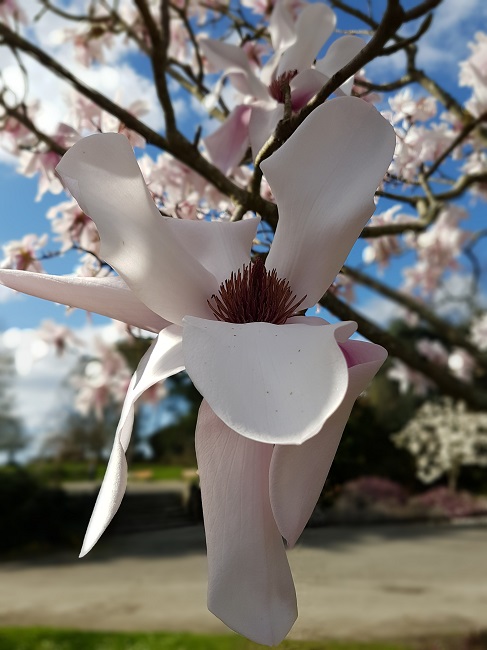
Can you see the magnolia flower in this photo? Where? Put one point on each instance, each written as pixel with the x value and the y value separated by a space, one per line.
pixel 296 45
pixel 277 388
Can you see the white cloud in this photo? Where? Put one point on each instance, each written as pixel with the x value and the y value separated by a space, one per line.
pixel 381 310
pixel 7 295
pixel 40 390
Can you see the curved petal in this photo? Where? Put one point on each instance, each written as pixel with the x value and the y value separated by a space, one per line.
pixel 163 359
pixel 102 174
pixel 341 52
pixel 250 587
pixel 227 145
pixel 106 296
pixel 324 178
pixel 314 26
pixel 221 247
pixel 271 383
pixel 281 26
pixel 304 86
pixel 236 66
pixel 263 121
pixel 298 473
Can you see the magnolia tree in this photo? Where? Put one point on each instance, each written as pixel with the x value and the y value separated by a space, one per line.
pixel 230 231
pixel 443 437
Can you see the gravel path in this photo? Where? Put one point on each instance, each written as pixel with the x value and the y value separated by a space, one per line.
pixel 362 583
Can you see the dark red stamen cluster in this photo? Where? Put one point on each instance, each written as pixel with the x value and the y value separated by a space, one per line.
pixel 277 87
pixel 254 295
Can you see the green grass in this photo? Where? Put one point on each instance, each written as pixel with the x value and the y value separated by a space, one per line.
pixel 46 639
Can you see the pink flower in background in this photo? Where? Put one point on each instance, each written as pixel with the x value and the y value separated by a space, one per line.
pixel 74 227
pixel 296 43
pixel 277 387
pixel 22 255
pixel 59 336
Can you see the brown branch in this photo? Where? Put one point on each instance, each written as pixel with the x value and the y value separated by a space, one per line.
pixel 21 116
pixel 179 147
pixel 474 397
pixel 443 329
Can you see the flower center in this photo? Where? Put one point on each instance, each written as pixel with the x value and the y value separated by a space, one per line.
pixel 254 295
pixel 278 87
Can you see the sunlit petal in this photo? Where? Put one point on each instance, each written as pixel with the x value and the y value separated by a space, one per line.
pixel 324 179
pixel 107 296
pixel 102 174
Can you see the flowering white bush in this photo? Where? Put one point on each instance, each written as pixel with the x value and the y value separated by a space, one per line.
pixel 443 436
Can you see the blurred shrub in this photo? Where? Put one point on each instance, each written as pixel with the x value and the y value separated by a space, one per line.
pixel 444 502
pixel 36 517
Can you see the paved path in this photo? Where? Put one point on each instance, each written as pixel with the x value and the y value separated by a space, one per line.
pixel 362 583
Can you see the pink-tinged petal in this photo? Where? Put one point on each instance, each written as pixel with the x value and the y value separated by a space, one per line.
pixel 341 52
pixel 218 246
pixel 263 121
pixel 324 179
pixel 298 473
pixel 250 587
pixel 270 383
pixel 228 144
pixel 108 296
pixel 236 66
pixel 163 359
pixel 314 26
pixel 102 174
pixel 304 86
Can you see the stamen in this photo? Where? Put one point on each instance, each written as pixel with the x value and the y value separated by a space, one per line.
pixel 277 87
pixel 253 295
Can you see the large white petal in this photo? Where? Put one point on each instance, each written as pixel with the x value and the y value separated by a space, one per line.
pixel 341 52
pixel 108 296
pixel 282 28
pixel 324 179
pixel 227 145
pixel 236 66
pixel 315 24
pixel 102 174
pixel 304 86
pixel 163 359
pixel 271 383
pixel 298 473
pixel 250 587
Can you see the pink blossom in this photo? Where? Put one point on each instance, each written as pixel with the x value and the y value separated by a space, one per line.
pixel 57 335
pixel 473 73
pixel 296 44
pixel 21 255
pixel 73 227
pixel 406 107
pixel 409 379
pixel 380 249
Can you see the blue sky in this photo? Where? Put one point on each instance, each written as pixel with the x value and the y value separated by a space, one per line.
pixel 446 43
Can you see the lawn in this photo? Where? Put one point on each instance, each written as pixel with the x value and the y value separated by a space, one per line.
pixel 46 639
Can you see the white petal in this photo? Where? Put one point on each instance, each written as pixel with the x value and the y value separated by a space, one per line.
pixel 298 473
pixel 250 587
pixel 281 26
pixel 163 359
pixel 106 296
pixel 271 383
pixel 341 52
pixel 218 246
pixel 324 178
pixel 227 145
pixel 236 66
pixel 102 174
pixel 263 121
pixel 314 26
